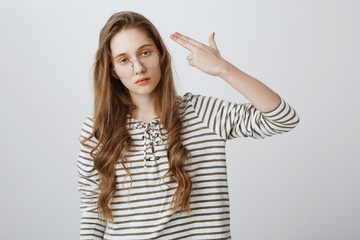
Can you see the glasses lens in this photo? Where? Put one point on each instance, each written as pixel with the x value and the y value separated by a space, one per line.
pixel 124 70
pixel 149 60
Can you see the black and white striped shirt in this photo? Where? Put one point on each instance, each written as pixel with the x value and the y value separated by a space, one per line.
pixel 144 211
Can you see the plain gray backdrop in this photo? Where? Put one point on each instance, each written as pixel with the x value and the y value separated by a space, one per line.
pixel 299 185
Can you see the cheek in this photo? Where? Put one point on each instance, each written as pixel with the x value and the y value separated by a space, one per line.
pixel 158 71
pixel 124 83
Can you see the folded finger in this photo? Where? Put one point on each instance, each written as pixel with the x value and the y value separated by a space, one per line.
pixel 189 57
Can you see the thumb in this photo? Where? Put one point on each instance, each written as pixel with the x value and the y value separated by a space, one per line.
pixel 212 41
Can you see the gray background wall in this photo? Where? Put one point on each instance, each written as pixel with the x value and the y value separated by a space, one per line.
pixel 300 185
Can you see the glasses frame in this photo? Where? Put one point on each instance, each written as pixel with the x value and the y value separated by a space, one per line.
pixel 139 59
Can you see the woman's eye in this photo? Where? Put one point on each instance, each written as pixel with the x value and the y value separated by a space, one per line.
pixel 123 61
pixel 146 53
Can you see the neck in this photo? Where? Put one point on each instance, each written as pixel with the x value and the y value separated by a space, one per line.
pixel 145 110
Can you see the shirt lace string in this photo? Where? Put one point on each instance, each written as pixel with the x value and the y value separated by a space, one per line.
pixel 152 136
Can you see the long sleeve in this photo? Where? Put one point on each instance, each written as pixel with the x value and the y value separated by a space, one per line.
pixel 91 226
pixel 232 120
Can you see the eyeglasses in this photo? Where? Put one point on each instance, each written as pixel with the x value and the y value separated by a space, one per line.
pixel 124 67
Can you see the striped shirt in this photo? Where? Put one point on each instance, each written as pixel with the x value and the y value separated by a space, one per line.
pixel 144 211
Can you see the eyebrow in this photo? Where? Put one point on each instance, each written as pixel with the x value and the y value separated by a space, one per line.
pixel 142 46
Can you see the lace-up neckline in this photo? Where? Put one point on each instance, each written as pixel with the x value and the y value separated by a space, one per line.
pixel 152 136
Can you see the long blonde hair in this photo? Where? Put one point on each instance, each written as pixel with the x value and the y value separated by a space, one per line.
pixel 113 103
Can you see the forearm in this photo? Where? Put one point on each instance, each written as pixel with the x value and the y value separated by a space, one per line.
pixel 261 96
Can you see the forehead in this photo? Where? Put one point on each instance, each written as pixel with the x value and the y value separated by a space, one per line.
pixel 129 41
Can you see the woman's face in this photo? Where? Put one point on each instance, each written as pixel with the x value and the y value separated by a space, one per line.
pixel 128 45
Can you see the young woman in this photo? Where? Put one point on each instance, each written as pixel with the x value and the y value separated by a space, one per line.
pixel 152 163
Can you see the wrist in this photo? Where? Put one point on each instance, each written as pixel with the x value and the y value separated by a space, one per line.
pixel 225 69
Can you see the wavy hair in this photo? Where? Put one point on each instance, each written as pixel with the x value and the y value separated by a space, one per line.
pixel 112 103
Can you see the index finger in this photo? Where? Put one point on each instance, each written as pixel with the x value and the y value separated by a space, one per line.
pixel 185 41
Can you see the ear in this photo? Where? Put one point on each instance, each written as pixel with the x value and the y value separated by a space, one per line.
pixel 113 73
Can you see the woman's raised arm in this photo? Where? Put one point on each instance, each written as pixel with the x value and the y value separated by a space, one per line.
pixel 209 60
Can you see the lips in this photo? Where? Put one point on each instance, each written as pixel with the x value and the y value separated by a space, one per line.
pixel 142 79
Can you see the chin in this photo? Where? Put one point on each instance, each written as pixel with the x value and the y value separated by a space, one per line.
pixel 143 91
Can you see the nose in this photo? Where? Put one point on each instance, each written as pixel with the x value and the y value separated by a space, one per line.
pixel 138 67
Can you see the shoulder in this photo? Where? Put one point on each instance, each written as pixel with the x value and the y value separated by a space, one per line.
pixel 188 98
pixel 197 100
pixel 190 102
pixel 88 122
pixel 185 100
pixel 87 126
